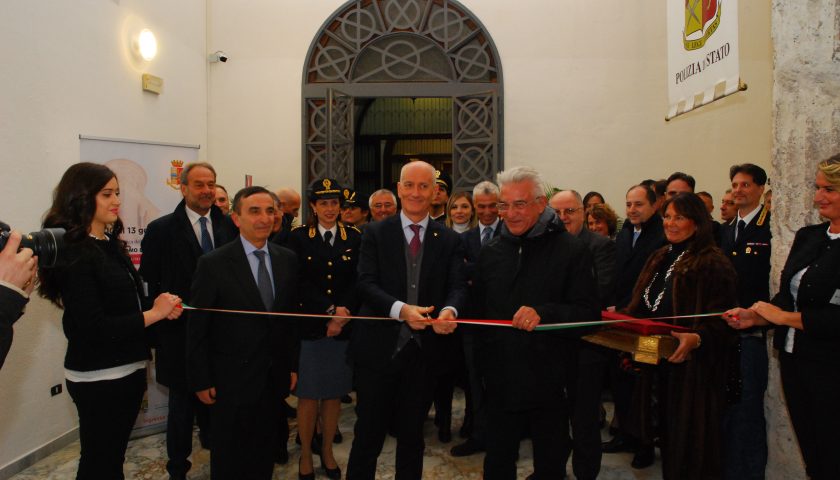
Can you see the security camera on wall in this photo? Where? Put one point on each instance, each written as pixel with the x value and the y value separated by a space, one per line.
pixel 218 56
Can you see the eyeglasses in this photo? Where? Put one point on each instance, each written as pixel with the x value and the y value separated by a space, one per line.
pixel 383 205
pixel 567 211
pixel 518 205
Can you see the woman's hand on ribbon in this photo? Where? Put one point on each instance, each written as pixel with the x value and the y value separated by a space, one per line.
pixel 741 318
pixel 336 323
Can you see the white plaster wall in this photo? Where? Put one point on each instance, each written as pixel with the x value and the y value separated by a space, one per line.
pixel 66 70
pixel 584 85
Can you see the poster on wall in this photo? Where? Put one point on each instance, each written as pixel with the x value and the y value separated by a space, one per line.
pixel 148 175
pixel 703 61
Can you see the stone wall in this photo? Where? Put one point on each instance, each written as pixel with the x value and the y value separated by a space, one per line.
pixel 806 130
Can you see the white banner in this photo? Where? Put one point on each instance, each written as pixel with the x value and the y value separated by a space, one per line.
pixel 148 175
pixel 702 52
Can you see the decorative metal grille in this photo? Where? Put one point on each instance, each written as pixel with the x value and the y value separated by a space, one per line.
pixel 475 140
pixel 402 40
pixel 403 48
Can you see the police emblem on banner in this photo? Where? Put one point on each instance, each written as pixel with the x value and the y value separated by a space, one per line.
pixel 702 18
pixel 175 170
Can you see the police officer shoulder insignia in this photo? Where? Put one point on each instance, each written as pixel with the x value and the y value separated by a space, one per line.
pixel 312 231
pixel 342 231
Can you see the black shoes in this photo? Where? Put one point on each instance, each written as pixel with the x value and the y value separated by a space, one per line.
pixel 338 438
pixel 470 447
pixel 444 435
pixel 644 457
pixel 346 399
pixel 282 457
pixel 332 473
pixel 305 476
pixel 618 444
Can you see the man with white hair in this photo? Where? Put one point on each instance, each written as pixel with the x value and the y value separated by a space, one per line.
pixel 533 273
pixel 383 204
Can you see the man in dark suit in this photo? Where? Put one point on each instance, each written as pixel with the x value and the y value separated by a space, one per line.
pixel 241 364
pixel 171 248
pixel 746 241
pixel 534 273
pixel 485 199
pixel 641 235
pixel 586 377
pixel 409 267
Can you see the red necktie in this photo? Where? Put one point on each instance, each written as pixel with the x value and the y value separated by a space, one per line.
pixel 414 244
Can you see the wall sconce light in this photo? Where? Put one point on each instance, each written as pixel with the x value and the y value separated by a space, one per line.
pixel 146 44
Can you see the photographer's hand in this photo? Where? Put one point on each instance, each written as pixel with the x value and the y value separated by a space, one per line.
pixel 18 268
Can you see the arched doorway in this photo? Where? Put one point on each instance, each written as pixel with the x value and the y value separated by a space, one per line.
pixel 416 53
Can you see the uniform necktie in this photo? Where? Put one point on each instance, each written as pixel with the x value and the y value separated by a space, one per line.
pixel 486 235
pixel 206 243
pixel 264 281
pixel 741 226
pixel 414 244
pixel 327 237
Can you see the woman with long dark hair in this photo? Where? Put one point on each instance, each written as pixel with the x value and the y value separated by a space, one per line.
pixel 104 321
pixel 690 276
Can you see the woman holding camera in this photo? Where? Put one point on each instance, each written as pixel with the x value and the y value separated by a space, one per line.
pixel 104 321
pixel 805 313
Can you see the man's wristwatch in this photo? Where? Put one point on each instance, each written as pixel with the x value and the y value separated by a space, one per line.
pixel 331 310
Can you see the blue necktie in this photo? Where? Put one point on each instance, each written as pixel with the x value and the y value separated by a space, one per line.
pixel 206 243
pixel 636 234
pixel 264 281
pixel 486 235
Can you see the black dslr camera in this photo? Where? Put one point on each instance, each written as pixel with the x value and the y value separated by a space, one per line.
pixel 46 244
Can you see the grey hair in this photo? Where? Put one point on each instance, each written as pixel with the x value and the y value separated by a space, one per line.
pixel 381 191
pixel 425 165
pixel 486 188
pixel 188 168
pixel 522 174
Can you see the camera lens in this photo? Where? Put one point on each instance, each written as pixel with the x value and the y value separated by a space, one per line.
pixel 45 244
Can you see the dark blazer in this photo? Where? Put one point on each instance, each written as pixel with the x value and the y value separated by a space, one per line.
pixel 241 355
pixel 170 254
pixel 472 245
pixel 382 281
pixel 603 255
pixel 551 271
pixel 813 248
pixel 630 260
pixel 750 255
pixel 11 308
pixel 327 274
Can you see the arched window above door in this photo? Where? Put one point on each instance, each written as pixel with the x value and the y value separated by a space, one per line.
pixel 405 49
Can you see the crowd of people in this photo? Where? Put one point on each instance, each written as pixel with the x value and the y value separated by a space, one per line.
pixel 365 297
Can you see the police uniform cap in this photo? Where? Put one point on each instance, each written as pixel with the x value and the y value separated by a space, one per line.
pixel 324 189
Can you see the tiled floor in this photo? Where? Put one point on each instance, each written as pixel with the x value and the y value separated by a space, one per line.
pixel 146 458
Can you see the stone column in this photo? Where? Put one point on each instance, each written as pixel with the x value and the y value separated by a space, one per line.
pixel 806 130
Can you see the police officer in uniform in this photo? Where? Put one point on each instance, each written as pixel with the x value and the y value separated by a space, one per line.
pixel 328 254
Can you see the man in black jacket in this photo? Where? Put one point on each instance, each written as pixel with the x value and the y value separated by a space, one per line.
pixel 587 376
pixel 410 267
pixel 242 364
pixel 534 273
pixel 641 235
pixel 171 248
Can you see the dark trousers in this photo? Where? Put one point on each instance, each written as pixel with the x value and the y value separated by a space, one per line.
pixel 402 391
pixel 184 407
pixel 745 431
pixel 475 396
pixel 107 412
pixel 812 394
pixel 586 380
pixel 549 436
pixel 244 438
pixel 622 385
